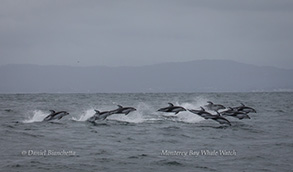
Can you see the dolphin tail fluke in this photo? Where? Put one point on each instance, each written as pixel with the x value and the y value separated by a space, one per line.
pixel 97 112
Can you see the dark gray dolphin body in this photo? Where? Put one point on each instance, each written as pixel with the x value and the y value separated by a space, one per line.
pixel 230 111
pixel 123 110
pixel 99 116
pixel 214 107
pixel 206 115
pixel 244 108
pixel 202 113
pixel 55 115
pixel 236 114
pixel 103 115
pixel 172 108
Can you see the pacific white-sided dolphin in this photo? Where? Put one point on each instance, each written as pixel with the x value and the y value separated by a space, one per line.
pixel 214 107
pixel 99 116
pixel 244 108
pixel 206 115
pixel 221 119
pixel 234 113
pixel 202 113
pixel 55 115
pixel 172 108
pixel 123 110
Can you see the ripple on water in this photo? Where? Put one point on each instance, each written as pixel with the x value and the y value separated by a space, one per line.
pixel 169 163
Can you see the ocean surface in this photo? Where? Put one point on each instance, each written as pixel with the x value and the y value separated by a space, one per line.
pixel 145 140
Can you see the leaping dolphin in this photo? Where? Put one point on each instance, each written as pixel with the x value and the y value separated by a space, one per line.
pixel 55 115
pixel 220 119
pixel 236 114
pixel 202 113
pixel 99 116
pixel 206 115
pixel 214 107
pixel 244 108
pixel 123 110
pixel 172 108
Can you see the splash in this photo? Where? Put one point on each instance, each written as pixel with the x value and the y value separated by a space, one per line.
pixel 86 115
pixel 36 116
pixel 133 117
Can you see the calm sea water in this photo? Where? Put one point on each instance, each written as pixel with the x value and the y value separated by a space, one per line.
pixel 144 140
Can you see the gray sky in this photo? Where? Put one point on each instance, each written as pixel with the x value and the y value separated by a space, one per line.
pixel 115 33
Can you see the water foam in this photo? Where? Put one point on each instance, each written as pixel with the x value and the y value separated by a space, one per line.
pixel 133 117
pixel 36 116
pixel 86 115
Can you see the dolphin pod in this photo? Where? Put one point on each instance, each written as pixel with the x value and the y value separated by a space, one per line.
pixel 240 112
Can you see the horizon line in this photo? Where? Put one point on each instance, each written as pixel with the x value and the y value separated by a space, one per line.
pixel 146 65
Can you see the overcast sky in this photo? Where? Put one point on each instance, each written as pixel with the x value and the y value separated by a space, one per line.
pixel 135 33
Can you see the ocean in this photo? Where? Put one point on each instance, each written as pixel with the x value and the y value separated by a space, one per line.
pixel 145 140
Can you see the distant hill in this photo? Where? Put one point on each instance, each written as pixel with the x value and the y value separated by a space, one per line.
pixel 193 76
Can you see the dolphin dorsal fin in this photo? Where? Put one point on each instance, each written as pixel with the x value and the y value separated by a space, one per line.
pixel 170 104
pixel 202 109
pixel 97 112
pixel 120 106
pixel 52 111
pixel 242 104
pixel 209 102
